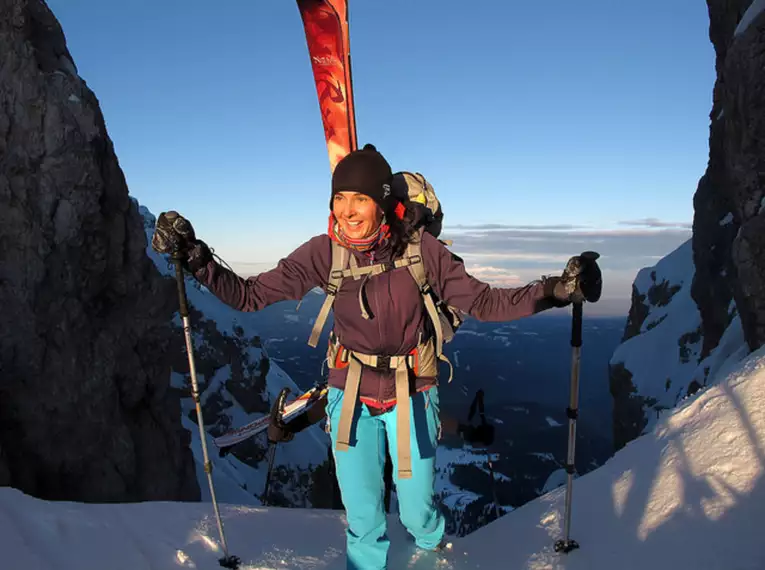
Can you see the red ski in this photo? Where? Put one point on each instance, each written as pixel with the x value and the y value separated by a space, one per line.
pixel 328 38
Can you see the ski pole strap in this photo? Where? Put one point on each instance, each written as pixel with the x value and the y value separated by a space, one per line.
pixel 403 420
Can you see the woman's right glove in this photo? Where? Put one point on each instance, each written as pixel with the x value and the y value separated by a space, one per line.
pixel 174 235
pixel 581 280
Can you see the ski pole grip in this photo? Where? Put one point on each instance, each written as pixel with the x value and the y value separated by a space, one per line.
pixel 184 307
pixel 576 326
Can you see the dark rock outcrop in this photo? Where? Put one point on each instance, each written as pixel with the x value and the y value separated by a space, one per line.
pixel 86 411
pixel 728 249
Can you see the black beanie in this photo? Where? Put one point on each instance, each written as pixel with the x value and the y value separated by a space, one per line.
pixel 364 171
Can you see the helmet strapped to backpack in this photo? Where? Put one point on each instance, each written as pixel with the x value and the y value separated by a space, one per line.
pixel 415 192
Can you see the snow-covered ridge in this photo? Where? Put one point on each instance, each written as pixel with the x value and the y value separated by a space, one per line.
pixel 689 494
pixel 660 364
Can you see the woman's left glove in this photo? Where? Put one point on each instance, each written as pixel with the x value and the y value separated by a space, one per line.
pixel 281 432
pixel 581 280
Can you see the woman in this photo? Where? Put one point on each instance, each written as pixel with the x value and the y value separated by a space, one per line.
pixel 381 347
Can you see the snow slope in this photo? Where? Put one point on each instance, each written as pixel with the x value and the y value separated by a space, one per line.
pixel 690 494
pixel 663 358
pixel 238 481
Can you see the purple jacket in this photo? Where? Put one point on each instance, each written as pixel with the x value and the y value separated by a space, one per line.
pixel 393 299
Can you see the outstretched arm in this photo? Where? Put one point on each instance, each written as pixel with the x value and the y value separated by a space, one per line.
pixel 456 287
pixel 294 276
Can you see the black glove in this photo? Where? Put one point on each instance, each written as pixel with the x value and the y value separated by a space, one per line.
pixel 174 235
pixel 581 280
pixel 481 435
pixel 280 432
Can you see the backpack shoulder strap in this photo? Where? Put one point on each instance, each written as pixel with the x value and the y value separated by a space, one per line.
pixel 340 258
pixel 417 269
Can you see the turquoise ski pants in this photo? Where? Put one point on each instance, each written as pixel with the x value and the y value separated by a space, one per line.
pixel 360 477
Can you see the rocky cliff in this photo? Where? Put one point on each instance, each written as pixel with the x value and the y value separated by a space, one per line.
pixel 718 279
pixel 86 409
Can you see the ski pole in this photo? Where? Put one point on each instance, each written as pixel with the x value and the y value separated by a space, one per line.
pixel 227 561
pixel 565 544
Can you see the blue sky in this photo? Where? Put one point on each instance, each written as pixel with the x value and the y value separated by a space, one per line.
pixel 572 125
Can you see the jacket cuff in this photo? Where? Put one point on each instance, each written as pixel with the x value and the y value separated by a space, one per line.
pixel 198 257
pixel 548 287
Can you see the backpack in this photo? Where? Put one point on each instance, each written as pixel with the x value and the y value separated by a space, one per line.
pixel 414 191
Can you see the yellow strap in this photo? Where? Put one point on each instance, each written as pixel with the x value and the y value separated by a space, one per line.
pixel 320 320
pixel 417 269
pixel 430 306
pixel 403 425
pixel 352 381
pixel 442 357
pixel 340 256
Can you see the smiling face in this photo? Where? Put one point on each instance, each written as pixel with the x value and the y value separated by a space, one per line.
pixel 358 215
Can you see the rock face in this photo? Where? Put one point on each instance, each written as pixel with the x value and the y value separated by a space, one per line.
pixel 727 315
pixel 86 410
pixel 729 225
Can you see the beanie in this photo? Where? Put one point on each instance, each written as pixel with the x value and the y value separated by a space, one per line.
pixel 364 171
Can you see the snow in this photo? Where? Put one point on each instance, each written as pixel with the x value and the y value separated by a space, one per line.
pixel 697 479
pixel 552 422
pixel 754 10
pixel 555 480
pixel 665 376
pixel 547 456
pixel 762 206
pixel 727 220
pixel 671 335
pixel 447 458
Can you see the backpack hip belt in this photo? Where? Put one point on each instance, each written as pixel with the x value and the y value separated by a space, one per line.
pixel 422 361
pixel 401 365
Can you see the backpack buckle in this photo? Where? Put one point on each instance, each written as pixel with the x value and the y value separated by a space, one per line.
pixel 331 289
pixel 383 363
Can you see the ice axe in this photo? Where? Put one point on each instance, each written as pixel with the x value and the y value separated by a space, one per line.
pixel 478 405
pixel 227 561
pixel 566 544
